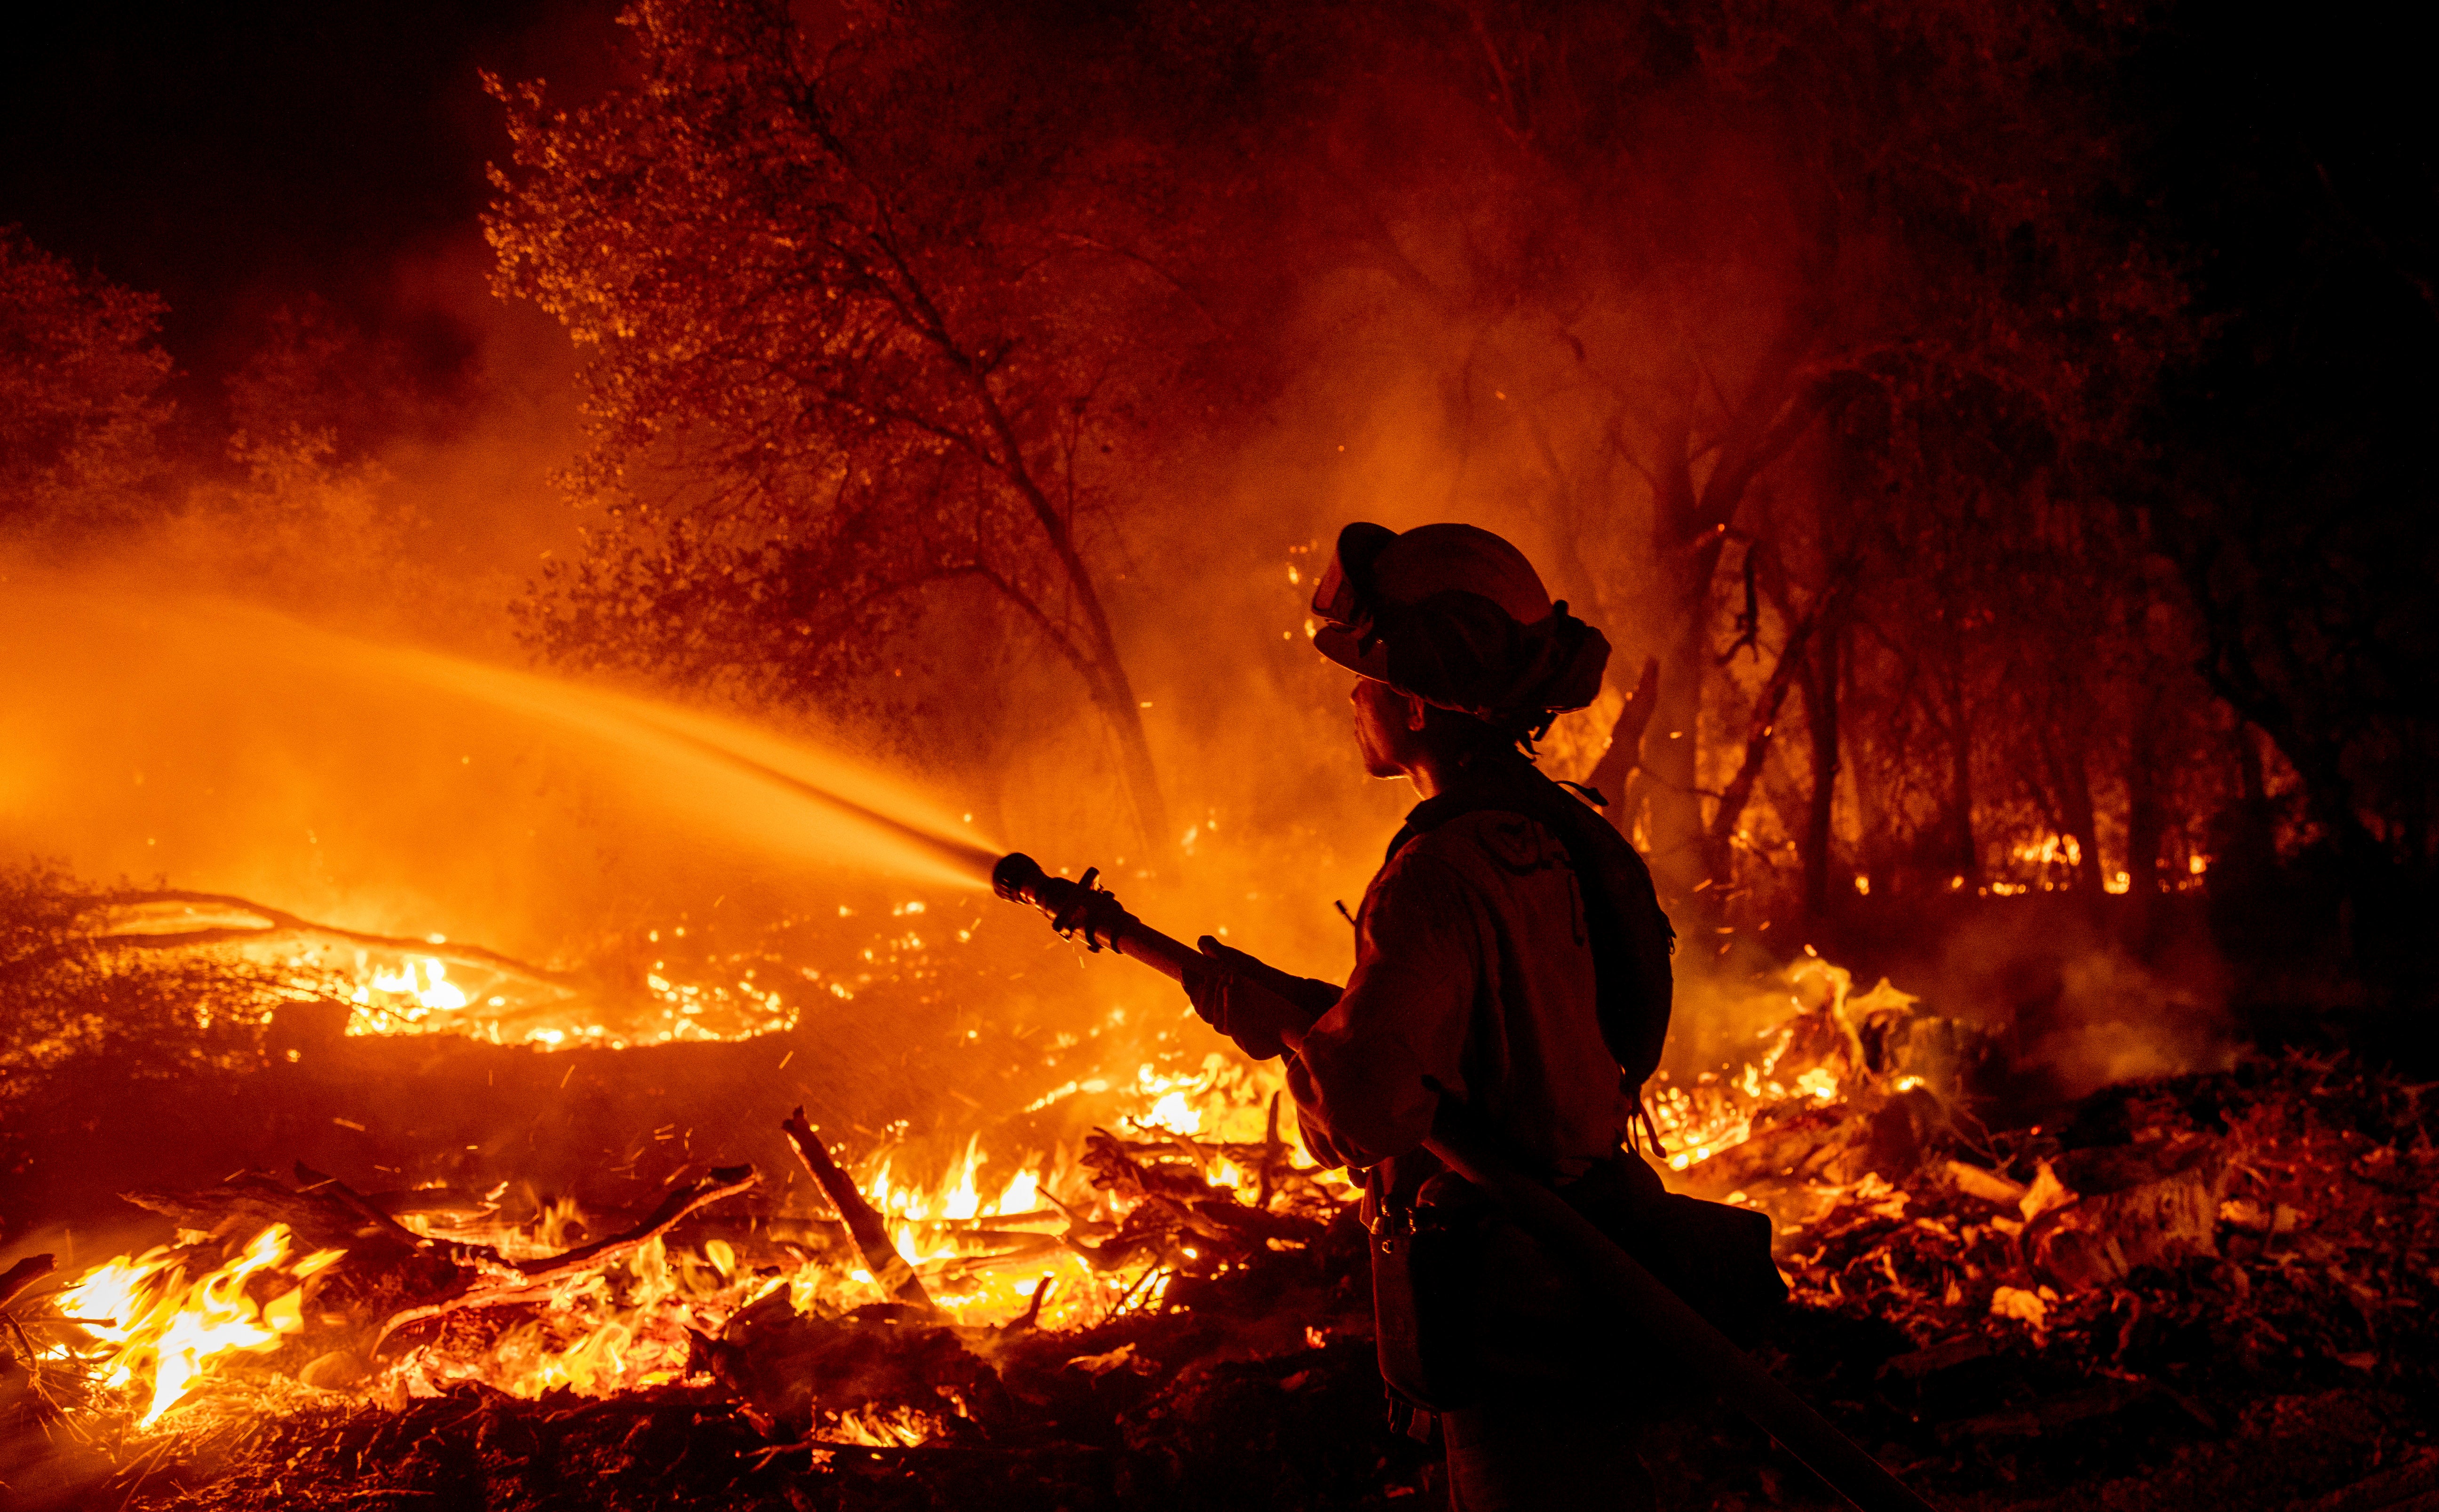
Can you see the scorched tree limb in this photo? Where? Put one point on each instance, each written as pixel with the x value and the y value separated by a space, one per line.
pixel 864 1224
pixel 277 925
pixel 502 1283
pixel 23 1277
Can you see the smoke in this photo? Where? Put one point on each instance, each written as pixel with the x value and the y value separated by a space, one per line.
pixel 2117 1020
pixel 1460 332
pixel 1429 361
pixel 406 791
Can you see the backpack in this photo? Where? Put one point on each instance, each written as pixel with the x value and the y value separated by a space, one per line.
pixel 1631 937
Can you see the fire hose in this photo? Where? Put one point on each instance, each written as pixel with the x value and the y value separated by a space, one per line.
pixel 1080 908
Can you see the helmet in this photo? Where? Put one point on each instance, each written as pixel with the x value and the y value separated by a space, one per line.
pixel 1457 617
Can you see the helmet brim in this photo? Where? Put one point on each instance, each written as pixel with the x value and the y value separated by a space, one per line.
pixel 1345 648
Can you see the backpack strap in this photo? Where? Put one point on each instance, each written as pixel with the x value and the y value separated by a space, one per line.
pixel 1629 935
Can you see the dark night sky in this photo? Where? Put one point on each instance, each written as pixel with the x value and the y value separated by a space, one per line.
pixel 235 158
pixel 232 158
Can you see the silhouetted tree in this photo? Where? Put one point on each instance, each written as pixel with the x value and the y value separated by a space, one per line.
pixel 80 375
pixel 868 315
pixel 1664 243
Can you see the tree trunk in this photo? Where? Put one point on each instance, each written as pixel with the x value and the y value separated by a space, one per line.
pixel 2145 822
pixel 1115 693
pixel 1676 830
pixel 1112 695
pixel 2251 779
pixel 1098 657
pixel 2256 831
pixel 1820 722
pixel 1689 530
pixel 2316 752
pixel 1872 821
pixel 1965 852
pixel 1119 706
pixel 1720 856
pixel 2063 751
pixel 1611 775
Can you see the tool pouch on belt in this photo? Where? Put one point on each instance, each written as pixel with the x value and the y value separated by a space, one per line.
pixel 1462 1295
pixel 1427 1273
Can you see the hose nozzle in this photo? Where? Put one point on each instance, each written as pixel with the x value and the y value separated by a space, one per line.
pixel 1077 907
pixel 1019 879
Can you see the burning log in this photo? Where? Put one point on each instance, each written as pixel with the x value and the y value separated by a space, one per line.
pixel 243 921
pixel 887 1267
pixel 1987 1185
pixel 388 1265
pixel 884 1364
pixel 2161 1205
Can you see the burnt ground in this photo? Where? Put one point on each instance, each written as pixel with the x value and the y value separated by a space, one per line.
pixel 2281 1357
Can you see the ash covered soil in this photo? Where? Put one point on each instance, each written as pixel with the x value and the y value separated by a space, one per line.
pixel 2207 1292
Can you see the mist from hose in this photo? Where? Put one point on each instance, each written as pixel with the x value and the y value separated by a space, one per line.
pixel 201 728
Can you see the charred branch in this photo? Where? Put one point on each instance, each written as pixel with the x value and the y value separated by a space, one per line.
pixel 496 1282
pixel 278 927
pixel 1623 757
pixel 323 1214
pixel 881 1260
pixel 24 1276
pixel 1763 724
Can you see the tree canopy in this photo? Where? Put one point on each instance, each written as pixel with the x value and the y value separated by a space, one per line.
pixel 1827 357
pixel 80 375
pixel 868 315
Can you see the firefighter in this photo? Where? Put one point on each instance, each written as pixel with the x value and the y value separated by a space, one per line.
pixel 1512 965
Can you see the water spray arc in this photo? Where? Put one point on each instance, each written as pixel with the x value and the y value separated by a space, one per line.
pixel 972 861
pixel 100 676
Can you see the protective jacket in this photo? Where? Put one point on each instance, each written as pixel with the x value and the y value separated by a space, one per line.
pixel 1510 955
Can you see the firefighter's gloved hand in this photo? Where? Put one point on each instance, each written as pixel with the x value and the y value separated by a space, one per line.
pixel 1251 1002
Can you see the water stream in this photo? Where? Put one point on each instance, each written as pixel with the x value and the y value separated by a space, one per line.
pixel 140 729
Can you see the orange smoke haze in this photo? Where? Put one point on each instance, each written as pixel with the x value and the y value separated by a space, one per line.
pixel 399 790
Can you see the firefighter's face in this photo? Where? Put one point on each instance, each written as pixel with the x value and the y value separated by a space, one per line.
pixel 1388 728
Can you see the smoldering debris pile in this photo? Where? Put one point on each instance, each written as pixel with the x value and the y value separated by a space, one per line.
pixel 2211 1290
pixel 1237 1371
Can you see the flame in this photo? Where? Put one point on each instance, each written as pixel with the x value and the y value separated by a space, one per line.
pixel 158 1325
pixel 959 1225
pixel 1716 1111
pixel 987 1229
pixel 425 979
pixel 892 1428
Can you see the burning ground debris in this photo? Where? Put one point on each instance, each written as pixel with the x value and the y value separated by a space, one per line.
pixel 2123 1306
pixel 2118 1306
pixel 413 1365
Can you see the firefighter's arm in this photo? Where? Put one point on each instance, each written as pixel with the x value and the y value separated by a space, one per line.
pixel 1368 1075
pixel 1264 1009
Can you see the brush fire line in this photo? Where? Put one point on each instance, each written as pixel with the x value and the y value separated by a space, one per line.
pixel 1845 1123
pixel 994 1252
